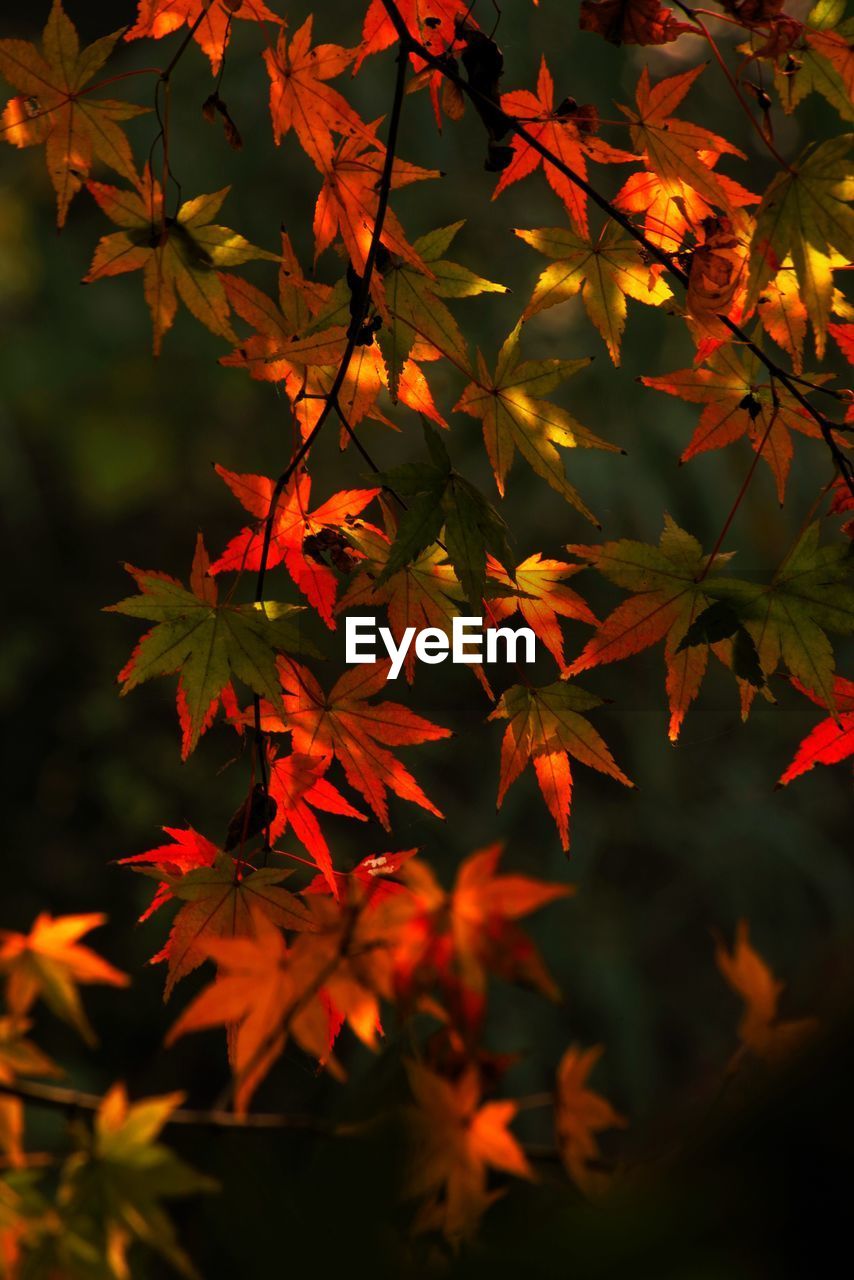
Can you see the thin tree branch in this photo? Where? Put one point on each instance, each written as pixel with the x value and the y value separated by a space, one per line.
pixel 71 1101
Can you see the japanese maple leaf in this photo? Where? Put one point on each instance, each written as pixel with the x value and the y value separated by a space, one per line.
pixel 580 1114
pixel 546 726
pixel 424 593
pixel 126 1172
pixel 432 23
pixel 672 208
pixel 672 147
pixel 348 200
pixel 49 963
pixel 789 615
pixel 54 107
pixel 221 900
pixel 759 1031
pixel 210 20
pixel 844 335
pixel 735 405
pixel 187 851
pixel 179 257
pixel 832 740
pixel 811 57
pixel 605 272
pixel 514 416
pixel 456 938
pixel 300 98
pixel 540 596
pixel 417 313
pixel 356 731
pixel 631 21
pixel 666 596
pixel 298 787
pixel 806 213
pixel 300 343
pixel 568 131
pixel 293 523
pixel 265 992
pixel 842 500
pixel 457 1138
pixel 207 642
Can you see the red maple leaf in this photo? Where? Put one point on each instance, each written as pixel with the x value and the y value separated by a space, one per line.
pixel 832 740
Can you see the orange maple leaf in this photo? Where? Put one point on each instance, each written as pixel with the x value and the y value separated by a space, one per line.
pixel 210 20
pixel 579 1115
pixel 569 132
pixel 457 1138
pixel 759 1031
pixel 354 730
pixel 541 598
pixel 546 726
pixel 293 523
pixel 49 962
pixel 179 257
pixel 56 108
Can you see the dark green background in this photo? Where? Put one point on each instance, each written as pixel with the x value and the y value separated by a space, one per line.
pixel 106 456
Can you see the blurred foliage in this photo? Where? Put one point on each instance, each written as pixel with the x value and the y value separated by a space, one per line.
pixel 107 456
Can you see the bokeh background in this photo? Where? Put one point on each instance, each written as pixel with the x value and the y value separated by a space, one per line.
pixel 106 456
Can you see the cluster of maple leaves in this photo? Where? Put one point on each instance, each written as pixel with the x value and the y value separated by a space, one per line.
pixel 750 274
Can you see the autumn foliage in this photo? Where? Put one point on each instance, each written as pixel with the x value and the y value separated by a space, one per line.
pixel 298 952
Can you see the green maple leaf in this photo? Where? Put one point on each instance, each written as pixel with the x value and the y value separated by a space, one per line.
pixel 416 312
pixel 440 497
pixel 789 617
pixel 806 212
pixel 207 642
pixel 515 417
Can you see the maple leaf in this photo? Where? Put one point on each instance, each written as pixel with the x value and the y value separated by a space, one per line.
pixel 673 147
pixel 301 341
pixel 221 900
pixel 605 272
pixel 456 1139
pixel 349 198
pixel 832 740
pixel 179 257
pixel 265 991
pixel 736 405
pixel 113 1187
pixel 812 57
pixel 515 417
pixel 580 1114
pixel 806 213
pixel 672 208
pixel 440 496
pixel 546 726
pixel 790 615
pixel 457 937
pixel 423 593
pixel 631 21
pixel 49 962
pixel 207 642
pixel 432 23
pixel 759 1031
pixel 844 335
pixel 55 108
pixel 666 597
pixel 293 523
pixel 414 301
pixel 187 851
pixel 357 732
pixel 540 596
pixel 300 98
pixel 568 131
pixel 298 787
pixel 210 20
